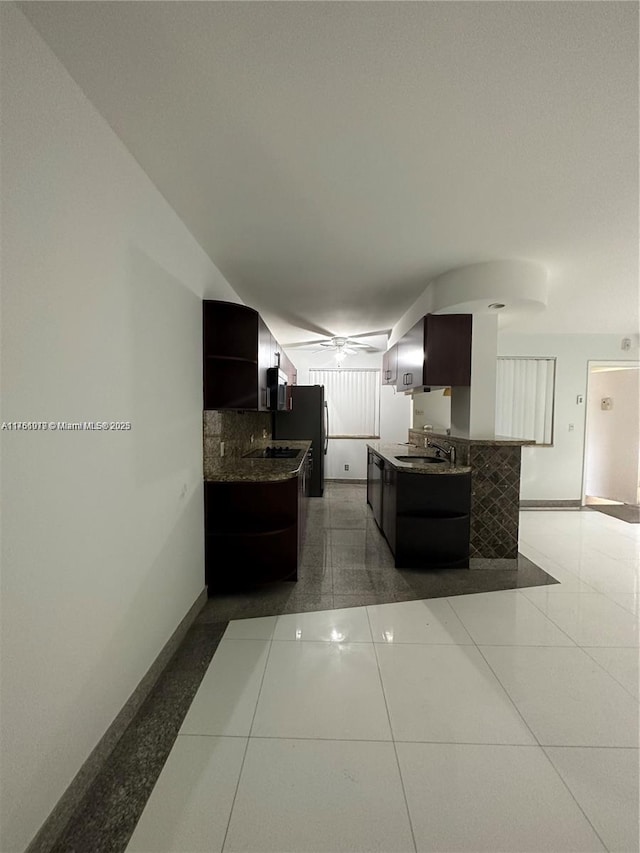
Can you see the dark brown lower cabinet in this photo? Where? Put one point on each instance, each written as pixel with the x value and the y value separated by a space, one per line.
pixel 389 504
pixel 425 518
pixel 254 532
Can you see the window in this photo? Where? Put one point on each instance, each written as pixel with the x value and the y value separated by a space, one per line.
pixel 524 398
pixel 353 398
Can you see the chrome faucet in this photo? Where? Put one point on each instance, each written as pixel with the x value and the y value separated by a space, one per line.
pixel 448 450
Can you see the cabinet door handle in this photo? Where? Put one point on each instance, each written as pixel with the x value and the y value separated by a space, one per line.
pixel 410 380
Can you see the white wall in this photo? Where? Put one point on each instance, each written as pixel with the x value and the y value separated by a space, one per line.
pixel 395 414
pixel 611 469
pixel 102 553
pixel 484 350
pixel 555 473
pixel 433 408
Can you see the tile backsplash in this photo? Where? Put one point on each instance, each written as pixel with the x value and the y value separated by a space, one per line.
pixel 418 437
pixel 235 430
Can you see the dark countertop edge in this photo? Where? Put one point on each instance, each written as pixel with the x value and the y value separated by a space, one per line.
pixel 493 442
pixel 389 451
pixel 256 470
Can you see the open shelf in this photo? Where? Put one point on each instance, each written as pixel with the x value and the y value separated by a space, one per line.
pixel 231 358
pixel 251 530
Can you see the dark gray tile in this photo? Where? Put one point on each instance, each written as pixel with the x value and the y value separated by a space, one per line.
pixel 261 601
pixel 317 524
pixel 197 648
pixel 361 552
pixel 316 536
pixel 359 506
pixel 302 603
pixel 315 556
pixel 624 512
pixel 344 557
pixel 362 599
pixel 109 812
pixel 315 579
pixel 348 521
pixel 343 493
pixel 354 581
pixel 356 538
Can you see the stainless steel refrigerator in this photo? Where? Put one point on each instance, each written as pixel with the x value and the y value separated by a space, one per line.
pixel 308 419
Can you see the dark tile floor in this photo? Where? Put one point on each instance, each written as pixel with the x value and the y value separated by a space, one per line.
pixel 346 563
pixel 106 818
pixel 625 512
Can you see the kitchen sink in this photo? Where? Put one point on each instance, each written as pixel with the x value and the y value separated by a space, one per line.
pixel 425 460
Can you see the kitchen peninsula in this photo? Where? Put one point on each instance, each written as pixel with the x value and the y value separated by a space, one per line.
pixel 421 503
pixel 495 494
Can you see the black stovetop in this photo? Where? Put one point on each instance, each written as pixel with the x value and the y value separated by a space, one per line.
pixel 273 453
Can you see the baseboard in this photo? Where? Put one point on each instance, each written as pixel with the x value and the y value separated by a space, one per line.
pixel 560 504
pixel 351 480
pixel 51 830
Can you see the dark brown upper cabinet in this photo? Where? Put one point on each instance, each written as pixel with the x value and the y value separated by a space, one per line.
pixel 435 353
pixel 390 366
pixel 238 348
pixel 289 368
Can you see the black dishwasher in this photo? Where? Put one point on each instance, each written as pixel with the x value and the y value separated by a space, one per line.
pixel 375 496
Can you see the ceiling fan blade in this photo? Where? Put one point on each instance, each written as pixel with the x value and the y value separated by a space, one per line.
pixel 298 322
pixel 376 349
pixel 300 344
pixel 373 334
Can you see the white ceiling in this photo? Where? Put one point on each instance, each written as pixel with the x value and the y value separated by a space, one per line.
pixel 333 157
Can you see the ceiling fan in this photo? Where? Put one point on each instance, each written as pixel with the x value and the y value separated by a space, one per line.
pixel 343 345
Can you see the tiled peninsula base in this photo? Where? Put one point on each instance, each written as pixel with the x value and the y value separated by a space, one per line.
pixel 495 496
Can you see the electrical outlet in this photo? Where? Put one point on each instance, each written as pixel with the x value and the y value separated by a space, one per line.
pixel 346 467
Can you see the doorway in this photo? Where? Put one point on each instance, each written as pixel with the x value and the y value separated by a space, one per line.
pixel 612 437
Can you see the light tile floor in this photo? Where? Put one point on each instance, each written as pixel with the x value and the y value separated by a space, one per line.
pixel 501 721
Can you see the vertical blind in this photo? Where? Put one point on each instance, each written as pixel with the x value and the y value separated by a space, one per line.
pixel 524 398
pixel 353 398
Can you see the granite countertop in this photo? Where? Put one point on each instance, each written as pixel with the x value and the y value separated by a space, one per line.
pixel 389 452
pixel 492 440
pixel 240 469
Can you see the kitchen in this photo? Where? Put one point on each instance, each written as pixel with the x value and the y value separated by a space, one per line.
pixel 273 531
pixel 322 164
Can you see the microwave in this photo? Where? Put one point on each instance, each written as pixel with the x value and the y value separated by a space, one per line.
pixel 276 389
